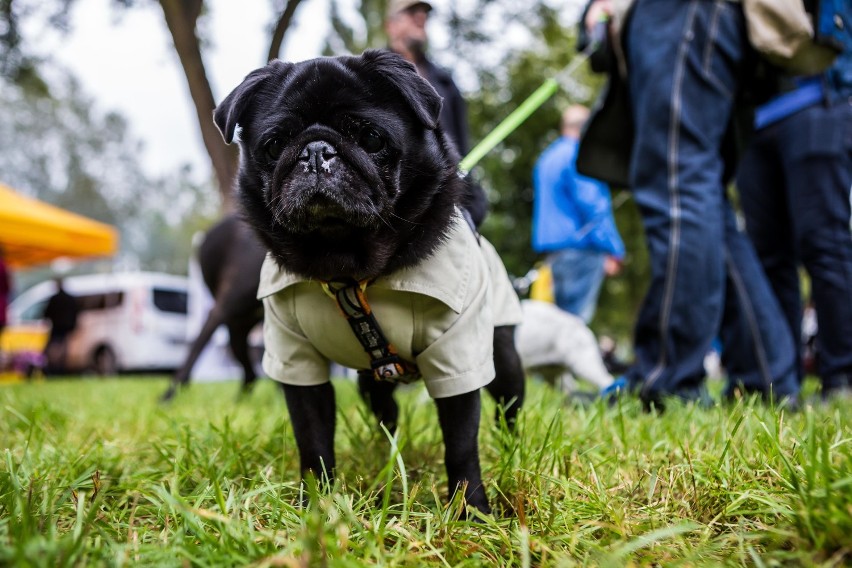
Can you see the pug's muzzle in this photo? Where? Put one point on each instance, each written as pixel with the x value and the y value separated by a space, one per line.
pixel 320 185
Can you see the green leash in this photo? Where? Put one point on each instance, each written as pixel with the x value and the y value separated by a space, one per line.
pixel 520 114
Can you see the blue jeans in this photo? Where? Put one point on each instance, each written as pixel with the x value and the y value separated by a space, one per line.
pixel 577 278
pixel 795 184
pixel 685 58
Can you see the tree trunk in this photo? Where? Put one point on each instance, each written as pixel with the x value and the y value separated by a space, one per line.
pixel 281 27
pixel 181 17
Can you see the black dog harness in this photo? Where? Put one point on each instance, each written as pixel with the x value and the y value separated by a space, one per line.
pixel 385 362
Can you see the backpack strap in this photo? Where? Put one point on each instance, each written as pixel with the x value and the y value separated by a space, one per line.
pixel 385 362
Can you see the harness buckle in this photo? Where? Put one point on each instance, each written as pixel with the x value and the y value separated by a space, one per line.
pixel 385 362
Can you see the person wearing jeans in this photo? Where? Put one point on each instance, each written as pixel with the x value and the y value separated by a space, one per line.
pixel 685 62
pixel 795 183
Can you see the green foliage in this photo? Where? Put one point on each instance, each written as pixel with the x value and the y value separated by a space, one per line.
pixel 368 32
pixel 175 211
pixel 507 170
pixel 94 472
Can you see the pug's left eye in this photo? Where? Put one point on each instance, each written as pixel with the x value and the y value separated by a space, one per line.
pixel 371 140
pixel 273 148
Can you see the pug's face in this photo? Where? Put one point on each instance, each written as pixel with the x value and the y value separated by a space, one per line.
pixel 344 170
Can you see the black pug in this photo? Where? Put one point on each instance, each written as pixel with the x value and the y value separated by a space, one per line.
pixel 348 180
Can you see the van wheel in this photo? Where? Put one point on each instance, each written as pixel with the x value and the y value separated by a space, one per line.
pixel 105 362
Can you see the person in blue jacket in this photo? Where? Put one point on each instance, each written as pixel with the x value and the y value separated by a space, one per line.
pixel 573 222
pixel 795 185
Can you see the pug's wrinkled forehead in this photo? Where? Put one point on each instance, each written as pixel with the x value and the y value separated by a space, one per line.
pixel 292 96
pixel 343 102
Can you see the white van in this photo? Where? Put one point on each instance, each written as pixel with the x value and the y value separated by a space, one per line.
pixel 127 322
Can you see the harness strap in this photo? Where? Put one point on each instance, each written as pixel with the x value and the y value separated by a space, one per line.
pixel 385 362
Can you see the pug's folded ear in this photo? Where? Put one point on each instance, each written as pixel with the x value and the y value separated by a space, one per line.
pixel 418 93
pixel 230 111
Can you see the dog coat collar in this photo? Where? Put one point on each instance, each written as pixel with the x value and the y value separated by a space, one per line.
pixel 442 275
pixel 385 362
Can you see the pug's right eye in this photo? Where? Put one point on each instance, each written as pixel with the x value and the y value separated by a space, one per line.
pixel 371 140
pixel 273 148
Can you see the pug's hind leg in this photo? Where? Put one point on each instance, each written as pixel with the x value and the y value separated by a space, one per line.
pixel 509 384
pixel 459 419
pixel 379 398
pixel 312 413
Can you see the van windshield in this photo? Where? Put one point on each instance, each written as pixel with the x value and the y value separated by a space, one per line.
pixel 172 301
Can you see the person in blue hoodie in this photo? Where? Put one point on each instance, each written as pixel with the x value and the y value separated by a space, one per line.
pixel 573 222
pixel 795 185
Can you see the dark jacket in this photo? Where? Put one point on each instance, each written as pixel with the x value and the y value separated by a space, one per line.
pixel 606 143
pixel 453 121
pixel 453 112
pixel 61 311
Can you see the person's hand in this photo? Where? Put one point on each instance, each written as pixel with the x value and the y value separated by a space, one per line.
pixel 599 10
pixel 612 265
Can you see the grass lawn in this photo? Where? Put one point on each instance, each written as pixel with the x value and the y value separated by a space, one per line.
pixel 95 472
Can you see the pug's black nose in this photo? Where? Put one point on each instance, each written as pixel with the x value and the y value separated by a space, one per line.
pixel 317 156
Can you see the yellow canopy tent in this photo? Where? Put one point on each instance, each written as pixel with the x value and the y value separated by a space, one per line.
pixel 33 232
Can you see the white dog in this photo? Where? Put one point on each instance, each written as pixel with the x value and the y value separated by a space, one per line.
pixel 560 347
